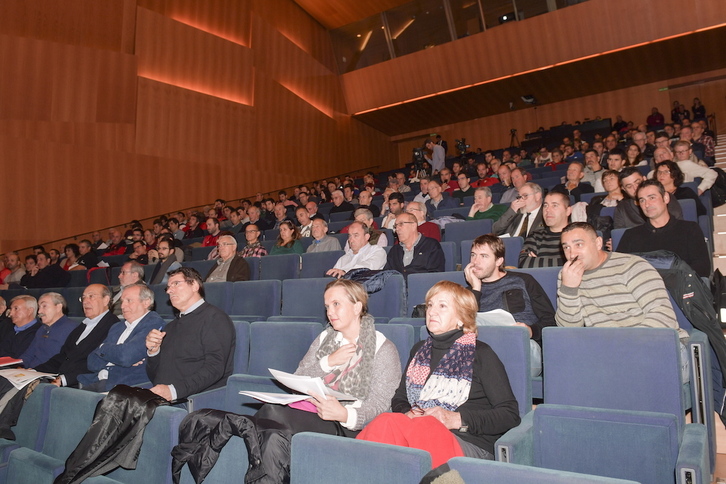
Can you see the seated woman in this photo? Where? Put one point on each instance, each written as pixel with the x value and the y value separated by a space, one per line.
pixel 72 252
pixel 635 157
pixel 669 174
pixel 455 398
pixel 288 242
pixel 351 357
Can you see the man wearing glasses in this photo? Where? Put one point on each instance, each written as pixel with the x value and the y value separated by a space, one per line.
pixel 195 351
pixel 524 215
pixel 427 229
pixel 230 267
pixel 167 262
pixel 414 253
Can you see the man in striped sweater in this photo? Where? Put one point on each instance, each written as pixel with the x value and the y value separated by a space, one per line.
pixel 598 288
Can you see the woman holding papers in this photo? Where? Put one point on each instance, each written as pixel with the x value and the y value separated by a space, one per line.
pixel 455 398
pixel 352 358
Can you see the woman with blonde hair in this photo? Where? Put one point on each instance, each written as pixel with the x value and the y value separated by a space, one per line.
pixel 455 398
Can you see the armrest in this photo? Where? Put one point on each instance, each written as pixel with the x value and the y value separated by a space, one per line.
pixel 242 404
pixel 693 464
pixel 516 446
pixel 208 399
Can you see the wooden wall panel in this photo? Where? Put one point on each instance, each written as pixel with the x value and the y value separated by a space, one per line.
pixel 90 23
pixel 186 125
pixel 291 21
pixel 634 104
pixel 56 82
pixel 582 30
pixel 171 52
pixel 227 19
pixel 284 62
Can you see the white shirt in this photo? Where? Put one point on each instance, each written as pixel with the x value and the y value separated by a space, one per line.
pixel 531 215
pixel 368 257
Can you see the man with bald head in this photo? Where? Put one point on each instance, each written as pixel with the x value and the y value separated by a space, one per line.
pixel 230 267
pixel 118 244
pixel 17 269
pixel 339 203
pixel 428 229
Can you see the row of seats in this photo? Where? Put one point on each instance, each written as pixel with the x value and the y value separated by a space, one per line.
pixel 632 373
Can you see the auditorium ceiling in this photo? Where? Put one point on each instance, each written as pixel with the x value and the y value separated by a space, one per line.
pixel 336 13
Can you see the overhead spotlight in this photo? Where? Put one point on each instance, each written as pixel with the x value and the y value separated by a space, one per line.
pixel 509 17
pixel 529 99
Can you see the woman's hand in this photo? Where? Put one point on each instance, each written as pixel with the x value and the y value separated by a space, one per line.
pixel 342 355
pixel 451 420
pixel 329 408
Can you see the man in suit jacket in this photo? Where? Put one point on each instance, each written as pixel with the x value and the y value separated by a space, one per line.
pixel 513 221
pixel 121 358
pixel 72 359
pixel 229 267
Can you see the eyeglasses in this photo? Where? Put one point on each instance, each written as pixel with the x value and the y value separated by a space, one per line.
pixel 398 225
pixel 173 285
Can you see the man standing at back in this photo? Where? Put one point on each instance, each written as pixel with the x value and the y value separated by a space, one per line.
pixel 195 352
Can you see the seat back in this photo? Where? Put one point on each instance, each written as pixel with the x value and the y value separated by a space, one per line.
pixel 161 301
pixel 78 279
pixel 201 266
pixel 279 345
pixel 281 267
pixel 547 278
pixel 304 297
pixel 688 206
pixel 160 436
pixel 617 368
pixel 316 264
pixel 474 470
pixel 511 344
pixel 419 284
pixel 469 230
pixel 241 346
pixel 401 335
pixel 72 295
pixel 201 253
pixel 33 420
pixel 258 298
pixel 390 301
pixel 327 458
pixel 71 414
pixel 218 294
pixel 254 263
pixel 451 255
pixel 642 446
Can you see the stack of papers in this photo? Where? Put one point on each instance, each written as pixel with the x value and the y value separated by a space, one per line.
pixel 20 377
pixel 305 385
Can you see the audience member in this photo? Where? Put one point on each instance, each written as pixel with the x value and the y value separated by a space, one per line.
pixel 230 267
pixel 593 171
pixel 524 215
pixel 662 232
pixel 195 352
pixel 542 248
pixel 394 207
pixel 17 334
pixel 194 231
pixel 365 200
pixel 669 174
pixel 339 203
pixel 288 240
pixel 465 189
pixel 53 331
pixel 627 213
pixel 360 254
pixel 322 242
pixel 306 223
pixel 17 270
pixel 88 258
pixel 427 229
pixel 483 208
pixel 167 262
pixel 438 200
pixel 254 247
pixel 44 274
pixel 414 253
pixel 118 244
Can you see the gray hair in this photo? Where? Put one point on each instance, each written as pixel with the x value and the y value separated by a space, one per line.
pixel 56 299
pixel 145 293
pixel 487 191
pixel 30 302
pixel 137 268
pixel 363 211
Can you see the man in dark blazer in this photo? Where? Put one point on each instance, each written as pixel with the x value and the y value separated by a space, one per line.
pixel 512 221
pixel 73 356
pixel 120 359
pixel 230 267
pixel 425 254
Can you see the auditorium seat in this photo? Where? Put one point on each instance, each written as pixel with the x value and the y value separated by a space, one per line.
pixel 78 279
pixel 469 230
pixel 201 253
pixel 449 212
pixel 419 284
pixel 257 299
pixel 281 267
pixel 341 216
pixel 254 263
pixel 218 294
pixel 547 278
pixel 316 264
pixel 201 266
pixel 451 255
pixel 401 335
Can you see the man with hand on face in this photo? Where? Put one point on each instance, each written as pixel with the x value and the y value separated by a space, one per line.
pixel 360 253
pixel 45 274
pixel 195 351
pixel 609 289
pixel 121 358
pixel 53 331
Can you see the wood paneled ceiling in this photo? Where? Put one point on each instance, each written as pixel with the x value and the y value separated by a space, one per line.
pixel 681 56
pixel 336 13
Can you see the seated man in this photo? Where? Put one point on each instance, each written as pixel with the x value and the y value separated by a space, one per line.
pixel 600 289
pixel 121 358
pixel 542 248
pixel 394 206
pixel 663 232
pixel 365 200
pixel 118 244
pixel 465 189
pixel 518 178
pixel 339 203
pixel 360 253
pixel 573 185
pixel 254 247
pixel 17 334
pixel 365 216
pixel 256 219
pixel 524 215
pixel 213 230
pixel 45 274
pixel 483 208
pixel 88 258
pixel 516 292
pixel 427 229
pixel 414 253
pixel 53 331
pixel 139 252
pixel 167 262
pixel 304 221
pixel 437 200
pixel 627 212
pixel 131 273
pixel 322 242
pixel 230 267
pixel 71 360
pixel 195 352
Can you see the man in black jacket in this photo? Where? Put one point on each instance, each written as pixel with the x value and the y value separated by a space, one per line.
pixel 414 253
